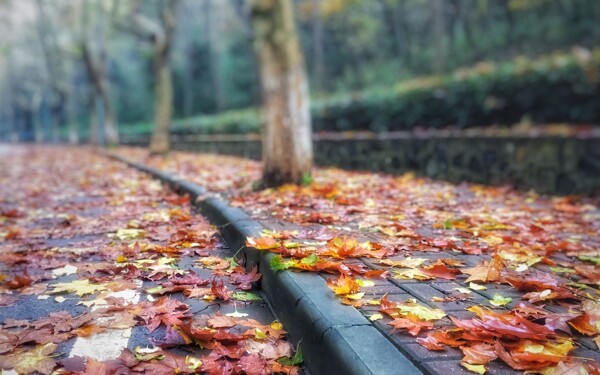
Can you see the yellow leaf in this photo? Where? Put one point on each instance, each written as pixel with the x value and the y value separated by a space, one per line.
pixel 480 369
pixel 355 296
pixel 475 286
pixel 193 363
pixel 36 360
pixel 421 311
pixel 365 283
pixel 129 234
pixel 259 335
pixel 498 300
pixel 79 287
pixel 375 317
pixel 411 274
pixel 404 263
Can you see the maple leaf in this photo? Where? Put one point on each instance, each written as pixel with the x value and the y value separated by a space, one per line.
pixel 244 280
pixel 478 353
pixel 344 285
pixel 582 324
pixel 486 271
pixel 32 360
pixel 8 341
pixel 172 337
pixel 441 271
pixel 431 343
pixel 219 290
pixel 549 295
pixel 79 287
pixel 499 300
pixel 169 363
pixel 267 349
pixel 535 281
pixel 252 365
pixel 164 310
pixel 412 324
pixel 222 321
pixel 412 274
pixel 572 368
pixel 346 247
pixel 533 356
pixel 404 263
pixel 94 367
pixel 502 325
pixel 263 243
pixel 409 308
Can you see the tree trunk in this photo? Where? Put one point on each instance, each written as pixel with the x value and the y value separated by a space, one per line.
pixel 101 86
pixel 161 34
pixel 163 105
pixel 188 83
pixel 110 122
pixel 73 129
pixel 287 143
pixel 94 129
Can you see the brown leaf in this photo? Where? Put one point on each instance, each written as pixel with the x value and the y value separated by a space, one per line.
pixel 486 271
pixel 478 353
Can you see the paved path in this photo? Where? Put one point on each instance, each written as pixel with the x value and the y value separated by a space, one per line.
pixel 69 216
pixel 545 248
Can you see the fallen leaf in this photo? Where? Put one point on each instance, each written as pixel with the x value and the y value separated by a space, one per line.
pixel 33 360
pixel 479 369
pixel 499 300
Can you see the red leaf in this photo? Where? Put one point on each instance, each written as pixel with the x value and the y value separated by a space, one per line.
pixel 414 326
pixel 478 353
pixel 244 280
pixel 441 271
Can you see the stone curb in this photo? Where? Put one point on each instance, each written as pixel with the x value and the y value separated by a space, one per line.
pixel 335 339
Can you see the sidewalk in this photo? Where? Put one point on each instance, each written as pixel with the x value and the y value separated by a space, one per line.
pixel 104 270
pixel 458 279
pixel 371 274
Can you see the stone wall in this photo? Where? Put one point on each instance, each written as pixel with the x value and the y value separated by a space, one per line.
pixel 550 164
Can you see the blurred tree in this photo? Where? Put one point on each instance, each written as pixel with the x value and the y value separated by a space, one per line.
pixel 95 59
pixel 56 76
pixel 287 135
pixel 160 34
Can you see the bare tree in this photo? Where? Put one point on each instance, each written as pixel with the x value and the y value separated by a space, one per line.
pixel 55 75
pixel 160 34
pixel 95 60
pixel 287 143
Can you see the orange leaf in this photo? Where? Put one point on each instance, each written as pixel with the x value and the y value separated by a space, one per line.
pixel 414 325
pixel 441 271
pixel 478 353
pixel 486 271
